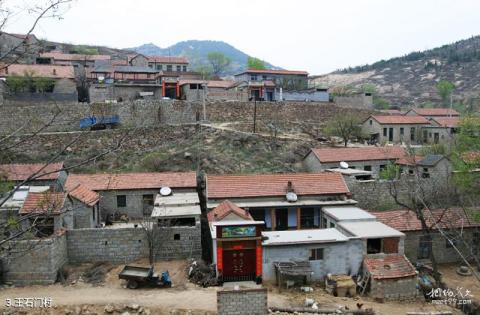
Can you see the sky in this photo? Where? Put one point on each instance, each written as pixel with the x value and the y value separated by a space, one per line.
pixel 318 36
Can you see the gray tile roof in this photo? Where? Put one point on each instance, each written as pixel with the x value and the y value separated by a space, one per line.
pixel 430 160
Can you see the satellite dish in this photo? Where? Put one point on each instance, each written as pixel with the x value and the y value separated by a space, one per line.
pixel 291 196
pixel 165 191
pixel 343 165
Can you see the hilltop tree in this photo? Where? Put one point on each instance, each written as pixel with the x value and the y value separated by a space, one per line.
pixel 255 63
pixel 346 126
pixel 219 62
pixel 445 89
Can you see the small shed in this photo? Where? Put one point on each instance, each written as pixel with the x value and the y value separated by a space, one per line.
pixel 390 277
pixel 284 271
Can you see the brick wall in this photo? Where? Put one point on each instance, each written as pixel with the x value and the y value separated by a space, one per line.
pixel 402 289
pixel 35 261
pixel 242 302
pixel 124 245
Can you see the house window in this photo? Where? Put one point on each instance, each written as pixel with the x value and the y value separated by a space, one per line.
pixel 374 245
pixel 159 67
pixel 148 199
pixel 169 68
pixel 93 213
pixel 382 167
pixel 424 247
pixel 193 86
pixel 184 68
pixel 384 132
pixel 402 131
pixel 253 78
pixel 264 77
pixel 371 122
pixel 179 68
pixel 425 173
pixel 176 237
pixel 412 133
pixel 121 201
pixel 367 168
pixel 410 172
pixel 307 218
pixel 332 225
pixel 316 254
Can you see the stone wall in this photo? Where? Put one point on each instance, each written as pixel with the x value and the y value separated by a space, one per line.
pixel 401 289
pixel 242 302
pixel 35 261
pixel 442 252
pixel 147 113
pixel 355 101
pixel 124 245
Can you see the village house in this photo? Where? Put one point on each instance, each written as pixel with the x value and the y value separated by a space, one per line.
pixel 371 158
pixel 395 128
pixel 25 46
pixel 211 90
pixel 160 63
pixel 271 85
pixel 131 194
pixel 308 224
pixel 442 129
pixel 121 82
pixel 456 223
pixel 36 174
pixel 430 113
pixel 50 82
pixel 435 166
pixel 75 60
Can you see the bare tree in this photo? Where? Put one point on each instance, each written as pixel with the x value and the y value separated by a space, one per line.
pixel 346 126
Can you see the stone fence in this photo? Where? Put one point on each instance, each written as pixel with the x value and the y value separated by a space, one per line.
pixel 147 113
pixel 242 302
pixel 35 261
pixel 124 245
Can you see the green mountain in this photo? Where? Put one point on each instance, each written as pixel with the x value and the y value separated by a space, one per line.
pixel 197 50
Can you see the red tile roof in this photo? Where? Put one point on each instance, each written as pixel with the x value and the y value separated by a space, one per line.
pixel 333 155
pixel 405 220
pixel 85 195
pixel 471 157
pixel 435 111
pixel 450 122
pixel 409 160
pixel 224 209
pixel 240 186
pixel 220 84
pixel 74 57
pixel 43 202
pixel 389 267
pixel 400 119
pixel 21 172
pixel 168 59
pixel 48 71
pixel 132 180
pixel 270 71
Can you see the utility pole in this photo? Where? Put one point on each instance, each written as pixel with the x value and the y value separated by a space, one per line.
pixel 255 113
pixel 451 105
pixel 204 107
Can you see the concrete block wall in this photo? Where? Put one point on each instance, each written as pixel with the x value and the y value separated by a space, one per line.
pixel 35 261
pixel 403 289
pixel 242 302
pixel 124 245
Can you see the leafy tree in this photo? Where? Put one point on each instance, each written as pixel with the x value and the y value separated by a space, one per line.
pixel 445 89
pixel 205 71
pixel 43 84
pixel 346 126
pixel 16 83
pixel 219 62
pixel 255 63
pixel 380 103
pixel 390 172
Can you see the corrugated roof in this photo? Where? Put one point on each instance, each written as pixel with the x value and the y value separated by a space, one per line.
pixel 224 209
pixel 400 119
pixel 44 202
pixel 20 172
pixel 74 57
pixel 120 181
pixel 259 185
pixel 389 267
pixel 48 71
pixel 435 111
pixel 405 220
pixel 332 155
pixel 85 195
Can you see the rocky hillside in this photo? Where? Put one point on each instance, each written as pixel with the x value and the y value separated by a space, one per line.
pixel 197 50
pixel 411 79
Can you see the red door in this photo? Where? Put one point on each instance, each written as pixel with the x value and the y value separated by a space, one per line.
pixel 239 264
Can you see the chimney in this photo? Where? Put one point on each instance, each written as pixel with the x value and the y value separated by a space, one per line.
pixel 6 70
pixel 290 186
pixel 54 71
